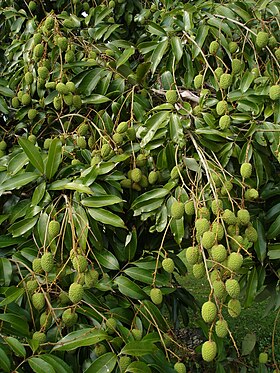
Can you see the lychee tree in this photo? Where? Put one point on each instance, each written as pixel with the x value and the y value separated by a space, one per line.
pixel 138 139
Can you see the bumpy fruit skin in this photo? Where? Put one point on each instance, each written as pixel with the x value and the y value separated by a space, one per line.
pixel 45 320
pixel 126 183
pixel 277 54
pixel 233 46
pixel 234 308
pixel 192 255
pixel 69 317
pixel 251 234
pixel 202 225
pixel 208 311
pixel 36 265
pixel 263 358
pixel 40 337
pixel 274 92
pixel 229 217
pixel 76 292
pixel 214 46
pixel 38 50
pixel 53 229
pixel 246 170
pixel 251 194
pixel 216 206
pixel 47 262
pixel 180 368
pixel 69 56
pixel 208 240
pixel 137 334
pixel 225 81
pixel 136 175
pixel 198 80
pixel 168 265
pixel 203 212
pixel 218 72
pixel 218 230
pixel 118 138
pixel 236 66
pixel 26 99
pixel 80 263
pixel 131 133
pixel 156 296
pixel 262 39
pixel 243 216
pixel 153 177
pixel 219 289
pixel 171 96
pixel 28 77
pixel 32 114
pixel 32 138
pixel 219 253
pixel 122 127
pixel 221 107
pixel 235 261
pixel 61 88
pixel 38 301
pixel 31 286
pixel 189 208
pixel 221 328
pixel 198 270
pixel 209 351
pixel 81 142
pixel 57 103
pixel 15 102
pixel 124 362
pixel 224 122
pixel 233 288
pixel 91 278
pixel 177 210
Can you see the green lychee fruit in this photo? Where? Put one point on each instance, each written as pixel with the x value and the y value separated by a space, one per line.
pixel 224 122
pixel 208 240
pixel 81 142
pixel 136 175
pixel 235 261
pixel 91 278
pixel 105 150
pixel 189 207
pixel 232 288
pixel 219 289
pixel 219 253
pixel 217 206
pixel 28 77
pixel 37 38
pixel 69 56
pixel 201 225
pixel 263 358
pixel 32 113
pixel 198 80
pixel 47 262
pixel 38 301
pixel 76 292
pixel 68 99
pixel 118 138
pixel 218 72
pixel 198 270
pixel 262 39
pixel 124 362
pixel 137 334
pixel 192 255
pixel 177 210
pixel 15 102
pixel 218 230
pixel 36 265
pixel 50 85
pixel 80 263
pixel 63 298
pixel 277 54
pixel 45 320
pixel 49 23
pixel 171 96
pixel 57 103
pixel 213 47
pixel 225 81
pixel 62 43
pixel 209 351
pixel 232 46
pixel 221 107
pixel 122 127
pixel 209 311
pixel 236 242
pixel 100 349
pixel 32 138
pixel 31 286
pixel 156 296
pixel 168 265
pixel 141 160
pixel 246 169
pixel 243 216
pixel 180 368
pixel 274 92
pixel 251 194
pixel 43 72
pixel 236 66
pixel 234 308
pixel 272 41
pixel 38 51
pixel 229 217
pixel 226 188
pixel 131 133
pixel 26 99
pixel 32 6
pixel 61 88
pixel 40 337
pixel 126 183
pixel 153 177
pixel 69 317
pixel 71 88
pixel 221 328
pixel 251 234
pixel 53 229
pixel 203 212
pixel 3 145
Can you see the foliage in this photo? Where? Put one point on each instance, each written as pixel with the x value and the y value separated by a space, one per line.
pixel 131 131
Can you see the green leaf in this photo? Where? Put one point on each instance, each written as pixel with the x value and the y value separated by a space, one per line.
pixel 81 226
pixel 152 125
pixel 65 184
pixel 125 56
pixel 138 348
pixel 32 153
pixel 129 288
pixel 11 295
pixel 107 259
pixel 176 129
pixel 201 35
pixel 96 99
pixel 18 323
pixel 246 81
pixel 38 194
pixel 54 158
pixel 260 245
pixel 16 346
pixel 153 314
pixel 90 81
pixel 146 276
pixel 130 245
pixel 23 226
pixel 106 217
pixel 6 271
pixel 101 201
pixel 157 55
pixel 38 365
pixel 251 287
pixel 138 367
pixel 3 106
pixel 150 195
pixel 58 364
pixel 248 343
pixel 18 181
pixel 104 364
pixel 16 163
pixel 80 338
pixel 5 361
pixel 177 47
pixel 274 229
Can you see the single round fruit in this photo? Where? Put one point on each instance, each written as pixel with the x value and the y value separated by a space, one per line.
pixel 28 78
pixel 192 255
pixel 208 240
pixel 236 66
pixel 251 234
pixel 198 270
pixel 76 292
pixel 26 99
pixel 209 311
pixel 218 230
pixel 235 261
pixel 201 225
pixel 262 39
pixel 226 188
pixel 80 263
pixel 216 206
pixel 229 217
pixel 219 289
pixel 122 127
pixel 156 296
pixel 38 301
pixel 32 113
pixel 198 80
pixel 53 229
pixel 36 265
pixel 221 107
pixel 177 210
pixel 218 72
pixel 209 351
pixel 47 262
pixel 246 169
pixel 31 286
pixel 224 122
pixel 232 288
pixel 213 47
pixel 118 138
pixel 219 253
pixel 38 51
pixel 15 102
pixel 171 96
pixel 225 81
pixel 243 216
pixel 180 368
pixel 189 208
pixel 69 317
pixel 137 334
pixel 45 320
pixel 274 92
pixel 168 265
pixel 221 328
pixel 234 308
pixel 124 362
pixel 100 349
pixel 136 175
pixel 232 46
pixel 251 194
pixel 40 337
pixel 263 358
pixel 91 278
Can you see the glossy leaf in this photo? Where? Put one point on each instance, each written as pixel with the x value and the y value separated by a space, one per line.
pixel 32 153
pixel 54 158
pixel 106 217
pixel 101 201
pixel 106 259
pixel 5 361
pixel 138 367
pixel 38 365
pixel 104 364
pixel 18 181
pixel 58 364
pixel 6 271
pixel 129 288
pixel 16 346
pixel 138 348
pixel 80 338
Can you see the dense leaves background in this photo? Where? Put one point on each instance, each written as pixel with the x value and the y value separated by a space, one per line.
pixel 65 158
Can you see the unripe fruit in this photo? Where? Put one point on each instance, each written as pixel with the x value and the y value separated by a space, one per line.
pixel 136 175
pixel 235 261
pixel 274 92
pixel 221 328
pixel 37 38
pixel 221 107
pixel 28 77
pixel 216 206
pixel 63 298
pixel 43 72
pixel 69 317
pixel 38 301
pixel 219 289
pixel 40 337
pixel 236 66
pixel 38 51
pixel 263 358
pixel 131 133
pixel 226 188
pixel 153 177
pixel 81 142
pixel 198 80
pixel 111 325
pixel 57 103
pixel 224 122
pixel 180 368
pixel 189 208
pixel 112 4
pixel 100 349
pixel 198 270
pixel 225 81
pixel 15 102
pixel 192 255
pixel 218 72
pixel 233 288
pixel 246 169
pixel 105 150
pixel 122 127
pixel 218 230
pixel 251 194
pixel 76 292
pixel 251 234
pixel 208 311
pixel 219 253
pixel 209 351
pixel 53 229
pixel 50 85
pixel 156 296
pixel 118 138
pixel 229 217
pixel 243 216
pixel 232 46
pixel 32 138
pixel 32 114
pixel 62 43
pixel 177 210
pixel 31 286
pixel 203 212
pixel 277 54
pixel 61 88
pixel 47 262
pixel 69 56
pixel 45 320
pixel 3 145
pixel 137 334
pixel 168 265
pixel 124 362
pixel 80 263
pixel 208 240
pixel 234 308
pixel 126 183
pixel 213 47
pixel 36 265
pixel 141 160
pixel 171 96
pixel 201 225
pixel 91 278
pixel 26 99
pixel 262 39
